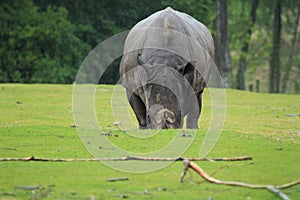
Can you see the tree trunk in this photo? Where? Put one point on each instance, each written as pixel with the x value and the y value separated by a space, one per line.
pixel 289 65
pixel 223 58
pixel 240 78
pixel 274 79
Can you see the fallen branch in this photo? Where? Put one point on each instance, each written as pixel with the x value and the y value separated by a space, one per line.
pixel 203 174
pixel 127 158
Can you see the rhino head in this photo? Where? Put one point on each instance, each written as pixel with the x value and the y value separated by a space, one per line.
pixel 166 90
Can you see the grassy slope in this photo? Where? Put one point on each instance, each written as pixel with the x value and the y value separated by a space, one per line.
pixel 36 119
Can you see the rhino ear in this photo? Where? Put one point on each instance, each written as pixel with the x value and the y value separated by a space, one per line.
pixel 140 59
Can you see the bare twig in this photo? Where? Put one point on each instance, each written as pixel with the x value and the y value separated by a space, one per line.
pixel 127 158
pixel 292 115
pixel 25 187
pixel 203 174
pixel 118 179
pixel 8 194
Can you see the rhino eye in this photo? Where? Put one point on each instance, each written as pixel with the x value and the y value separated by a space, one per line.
pixel 181 70
pixel 189 68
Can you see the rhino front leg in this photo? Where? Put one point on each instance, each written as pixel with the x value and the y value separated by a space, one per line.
pixel 138 107
pixel 194 114
pixel 192 120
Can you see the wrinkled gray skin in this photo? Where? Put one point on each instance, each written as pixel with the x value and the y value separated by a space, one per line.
pixel 165 66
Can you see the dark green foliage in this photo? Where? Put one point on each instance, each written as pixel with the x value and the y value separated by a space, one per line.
pixel 38 46
pixel 47 40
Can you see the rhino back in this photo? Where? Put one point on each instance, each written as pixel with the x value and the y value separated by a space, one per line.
pixel 171 31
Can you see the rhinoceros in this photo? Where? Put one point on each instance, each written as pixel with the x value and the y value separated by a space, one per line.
pixel 165 67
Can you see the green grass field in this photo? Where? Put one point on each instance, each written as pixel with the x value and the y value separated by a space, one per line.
pixel 37 120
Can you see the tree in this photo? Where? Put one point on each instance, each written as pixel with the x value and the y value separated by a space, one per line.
pixel 274 78
pixel 240 78
pixel 291 52
pixel 223 58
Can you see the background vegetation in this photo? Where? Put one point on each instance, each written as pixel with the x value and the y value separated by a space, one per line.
pixel 45 41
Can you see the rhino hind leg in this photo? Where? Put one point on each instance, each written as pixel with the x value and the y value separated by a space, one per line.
pixel 138 107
